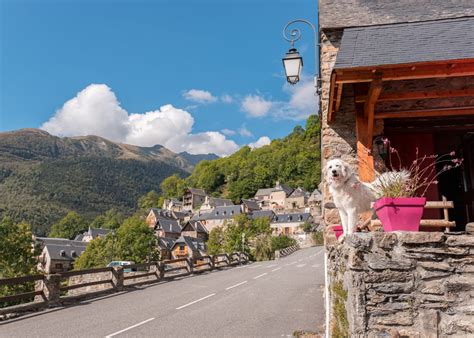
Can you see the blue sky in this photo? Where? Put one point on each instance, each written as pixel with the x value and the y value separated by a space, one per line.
pixel 191 75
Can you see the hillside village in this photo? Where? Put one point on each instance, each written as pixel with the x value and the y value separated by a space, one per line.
pixel 182 226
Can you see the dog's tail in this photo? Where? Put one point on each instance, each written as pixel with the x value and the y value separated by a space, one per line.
pixel 391 183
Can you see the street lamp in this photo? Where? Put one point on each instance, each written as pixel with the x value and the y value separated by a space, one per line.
pixel 292 61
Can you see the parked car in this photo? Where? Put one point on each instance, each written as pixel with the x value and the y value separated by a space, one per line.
pixel 121 263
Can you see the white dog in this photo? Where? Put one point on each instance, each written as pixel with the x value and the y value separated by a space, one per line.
pixel 351 196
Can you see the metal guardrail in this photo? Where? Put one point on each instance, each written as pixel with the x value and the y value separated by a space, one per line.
pixel 53 292
pixel 286 251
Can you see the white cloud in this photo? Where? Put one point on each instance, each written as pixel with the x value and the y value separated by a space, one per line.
pixel 256 106
pixel 302 103
pixel 200 96
pixel 243 131
pixel 228 132
pixel 262 141
pixel 227 98
pixel 96 111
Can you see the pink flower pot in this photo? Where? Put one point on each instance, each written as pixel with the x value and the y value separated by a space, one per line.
pixel 337 230
pixel 400 214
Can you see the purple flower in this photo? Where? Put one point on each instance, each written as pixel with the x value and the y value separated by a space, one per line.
pixel 452 153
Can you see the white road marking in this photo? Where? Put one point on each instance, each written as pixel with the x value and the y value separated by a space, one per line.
pixel 271 266
pixel 276 269
pixel 194 302
pixel 300 265
pixel 236 285
pixel 130 327
pixel 291 263
pixel 263 274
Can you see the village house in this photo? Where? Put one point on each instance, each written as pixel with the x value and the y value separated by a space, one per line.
pixel 194 229
pixel 273 198
pixel 58 254
pixel 314 202
pixel 173 204
pixel 165 245
pixel 193 198
pixel 168 228
pixel 213 202
pixel 297 200
pixel 92 233
pixel 191 247
pixel 406 74
pixel 217 217
pixel 156 214
pixel 249 206
pixel 269 214
pixel 289 224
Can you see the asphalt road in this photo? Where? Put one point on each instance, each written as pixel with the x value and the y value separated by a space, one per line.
pixel 268 299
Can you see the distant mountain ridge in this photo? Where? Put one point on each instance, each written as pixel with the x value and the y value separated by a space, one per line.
pixel 42 176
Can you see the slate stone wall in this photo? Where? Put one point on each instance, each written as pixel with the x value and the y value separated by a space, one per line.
pixel 403 284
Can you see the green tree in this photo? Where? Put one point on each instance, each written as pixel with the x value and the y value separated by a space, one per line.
pixel 215 243
pixel 17 257
pixel 263 248
pixel 172 187
pixel 149 200
pixel 307 227
pixel 281 242
pixel 136 241
pixel 112 219
pixel 98 253
pixel 69 226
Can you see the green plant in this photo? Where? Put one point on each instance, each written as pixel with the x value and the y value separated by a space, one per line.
pixel 282 242
pixel 340 324
pixel 318 237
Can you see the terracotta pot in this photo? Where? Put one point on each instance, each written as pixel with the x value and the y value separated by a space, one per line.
pixel 400 214
pixel 337 230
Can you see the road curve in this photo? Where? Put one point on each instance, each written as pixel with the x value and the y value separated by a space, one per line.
pixel 263 299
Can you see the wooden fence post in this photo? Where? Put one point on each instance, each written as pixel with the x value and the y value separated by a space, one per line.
pixel 211 261
pixel 118 278
pixel 161 270
pixel 52 285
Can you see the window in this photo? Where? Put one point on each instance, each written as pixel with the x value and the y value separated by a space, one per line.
pixel 181 247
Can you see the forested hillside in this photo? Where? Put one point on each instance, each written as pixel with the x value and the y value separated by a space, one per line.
pixel 293 160
pixel 43 177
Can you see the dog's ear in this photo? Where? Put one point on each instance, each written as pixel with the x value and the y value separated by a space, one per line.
pixel 346 170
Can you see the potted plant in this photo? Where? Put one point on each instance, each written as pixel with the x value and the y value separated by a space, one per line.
pixel 402 191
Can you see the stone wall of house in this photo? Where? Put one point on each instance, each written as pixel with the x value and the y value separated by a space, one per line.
pixel 402 284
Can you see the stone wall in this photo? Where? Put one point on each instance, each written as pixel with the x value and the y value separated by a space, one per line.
pixel 402 284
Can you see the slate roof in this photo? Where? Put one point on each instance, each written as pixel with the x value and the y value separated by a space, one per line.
pixel 293 217
pixel 264 192
pixel 441 40
pixel 171 226
pixel 298 192
pixel 351 13
pixel 218 202
pixel 97 232
pixel 192 243
pixel 225 212
pixel 316 195
pixel 261 214
pixel 251 204
pixel 62 249
pixel 196 226
pixel 165 242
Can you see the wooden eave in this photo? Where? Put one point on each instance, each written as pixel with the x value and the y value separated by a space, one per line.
pixel 398 72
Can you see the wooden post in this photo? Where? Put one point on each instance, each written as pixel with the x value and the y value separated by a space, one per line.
pixel 212 261
pixel 161 270
pixel 445 212
pixel 117 274
pixel 189 261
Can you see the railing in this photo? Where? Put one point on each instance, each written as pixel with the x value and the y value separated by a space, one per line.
pixel 286 251
pixel 61 288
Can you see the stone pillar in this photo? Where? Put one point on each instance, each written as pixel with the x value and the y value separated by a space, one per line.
pixel 212 261
pixel 118 278
pixel 52 284
pixel 161 270
pixel 189 261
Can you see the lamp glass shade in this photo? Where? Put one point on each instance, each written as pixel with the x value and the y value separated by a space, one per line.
pixel 292 62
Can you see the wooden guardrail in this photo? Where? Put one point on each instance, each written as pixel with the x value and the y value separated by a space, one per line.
pixel 54 291
pixel 286 251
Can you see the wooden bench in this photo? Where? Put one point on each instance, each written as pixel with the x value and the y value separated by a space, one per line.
pixel 373 224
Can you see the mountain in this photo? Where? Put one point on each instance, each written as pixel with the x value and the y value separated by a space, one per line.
pixel 195 159
pixel 42 176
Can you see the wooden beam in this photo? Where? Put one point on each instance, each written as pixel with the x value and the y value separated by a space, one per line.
pixel 364 149
pixel 452 111
pixel 369 107
pixel 338 97
pixel 332 84
pixel 420 95
pixel 406 72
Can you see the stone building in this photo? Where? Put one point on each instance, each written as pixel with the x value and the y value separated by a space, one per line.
pixel 193 198
pixel 402 70
pixel 58 254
